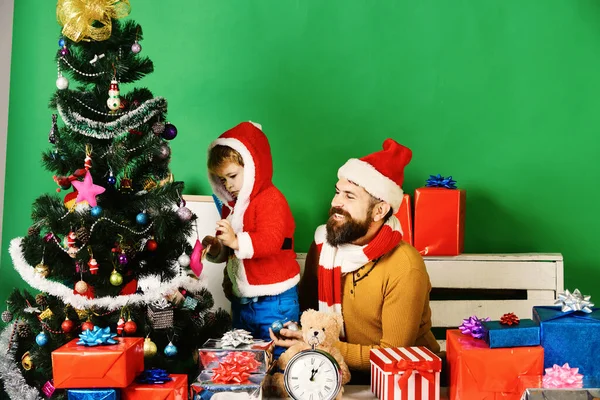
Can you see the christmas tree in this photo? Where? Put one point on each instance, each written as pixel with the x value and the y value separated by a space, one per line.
pixel 111 249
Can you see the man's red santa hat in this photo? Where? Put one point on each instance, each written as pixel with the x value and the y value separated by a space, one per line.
pixel 381 174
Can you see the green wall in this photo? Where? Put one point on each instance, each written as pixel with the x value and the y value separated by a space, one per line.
pixel 503 95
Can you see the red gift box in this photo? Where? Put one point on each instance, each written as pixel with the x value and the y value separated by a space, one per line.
pixel 405 373
pixel 439 221
pixel 177 389
pixel 480 373
pixel 110 366
pixel 404 215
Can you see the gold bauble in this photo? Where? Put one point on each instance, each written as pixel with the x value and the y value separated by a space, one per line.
pixel 81 287
pixel 150 348
pixel 116 279
pixel 42 270
pixel 47 313
pixel 82 314
pixel 26 361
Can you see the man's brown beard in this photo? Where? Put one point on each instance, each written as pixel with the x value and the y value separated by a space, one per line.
pixel 348 231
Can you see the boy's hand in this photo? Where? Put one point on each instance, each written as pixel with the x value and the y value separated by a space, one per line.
pixel 286 337
pixel 227 235
pixel 213 242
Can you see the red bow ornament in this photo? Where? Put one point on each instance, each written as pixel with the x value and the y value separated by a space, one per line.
pixel 424 368
pixel 509 319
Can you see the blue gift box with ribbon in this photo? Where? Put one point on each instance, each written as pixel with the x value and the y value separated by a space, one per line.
pixel 570 333
pixel 93 394
pixel 498 335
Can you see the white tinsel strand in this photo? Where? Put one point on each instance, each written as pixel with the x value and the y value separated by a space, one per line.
pixel 110 130
pixel 10 375
pixel 152 286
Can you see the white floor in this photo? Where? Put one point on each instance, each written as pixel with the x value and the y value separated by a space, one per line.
pixel 359 392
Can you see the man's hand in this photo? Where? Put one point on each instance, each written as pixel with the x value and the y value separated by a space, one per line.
pixel 215 245
pixel 226 235
pixel 287 337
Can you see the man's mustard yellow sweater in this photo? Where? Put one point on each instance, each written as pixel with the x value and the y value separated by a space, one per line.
pixel 385 304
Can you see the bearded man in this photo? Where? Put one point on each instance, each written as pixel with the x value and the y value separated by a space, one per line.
pixel 359 266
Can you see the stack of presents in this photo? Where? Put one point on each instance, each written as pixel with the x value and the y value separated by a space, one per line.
pixel 552 355
pixel 100 366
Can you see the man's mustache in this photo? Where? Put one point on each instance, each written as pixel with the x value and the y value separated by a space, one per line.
pixel 337 210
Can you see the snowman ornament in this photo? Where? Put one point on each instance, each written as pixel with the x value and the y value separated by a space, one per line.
pixel 114 101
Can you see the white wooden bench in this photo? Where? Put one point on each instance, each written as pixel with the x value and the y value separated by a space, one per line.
pixel 532 278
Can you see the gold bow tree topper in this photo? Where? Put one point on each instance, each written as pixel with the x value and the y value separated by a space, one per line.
pixel 89 19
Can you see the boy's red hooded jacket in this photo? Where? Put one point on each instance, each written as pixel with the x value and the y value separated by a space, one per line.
pixel 265 263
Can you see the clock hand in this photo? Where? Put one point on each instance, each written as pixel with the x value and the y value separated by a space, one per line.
pixel 313 372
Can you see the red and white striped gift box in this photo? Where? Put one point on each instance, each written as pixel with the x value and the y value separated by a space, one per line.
pixel 405 373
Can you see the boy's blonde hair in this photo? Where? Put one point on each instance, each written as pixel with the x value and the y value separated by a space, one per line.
pixel 220 155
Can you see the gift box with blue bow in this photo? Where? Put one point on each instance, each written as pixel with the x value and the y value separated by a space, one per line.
pixel 570 333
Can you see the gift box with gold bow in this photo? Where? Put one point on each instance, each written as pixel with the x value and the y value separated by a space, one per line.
pixel 405 373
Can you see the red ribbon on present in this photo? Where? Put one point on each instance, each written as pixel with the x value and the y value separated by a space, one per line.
pixel 245 358
pixel 424 368
pixel 207 357
pixel 229 374
pixel 509 319
pixel 235 367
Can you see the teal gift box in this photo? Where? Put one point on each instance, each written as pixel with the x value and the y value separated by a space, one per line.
pixel 570 337
pixel 93 394
pixel 525 333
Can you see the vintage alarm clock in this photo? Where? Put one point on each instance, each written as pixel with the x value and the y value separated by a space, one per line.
pixel 313 375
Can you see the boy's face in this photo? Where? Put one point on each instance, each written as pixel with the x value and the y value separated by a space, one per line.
pixel 232 177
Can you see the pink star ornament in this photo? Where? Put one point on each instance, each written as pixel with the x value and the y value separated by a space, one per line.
pixel 87 191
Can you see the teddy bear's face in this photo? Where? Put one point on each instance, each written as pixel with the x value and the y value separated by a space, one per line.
pixel 320 329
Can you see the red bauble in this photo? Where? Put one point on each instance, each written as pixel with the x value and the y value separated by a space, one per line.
pixel 151 245
pixel 67 326
pixel 130 327
pixel 87 325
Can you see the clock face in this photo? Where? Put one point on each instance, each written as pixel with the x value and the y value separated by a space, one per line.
pixel 312 375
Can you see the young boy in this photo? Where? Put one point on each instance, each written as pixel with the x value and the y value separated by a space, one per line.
pixel 255 236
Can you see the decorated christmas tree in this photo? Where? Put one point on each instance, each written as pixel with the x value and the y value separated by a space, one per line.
pixel 111 248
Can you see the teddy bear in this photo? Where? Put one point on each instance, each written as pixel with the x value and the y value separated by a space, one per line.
pixel 321 330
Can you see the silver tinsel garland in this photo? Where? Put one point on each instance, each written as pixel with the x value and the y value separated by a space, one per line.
pixel 10 375
pixel 117 128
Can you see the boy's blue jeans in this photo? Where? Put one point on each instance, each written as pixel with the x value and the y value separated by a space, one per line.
pixel 256 314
